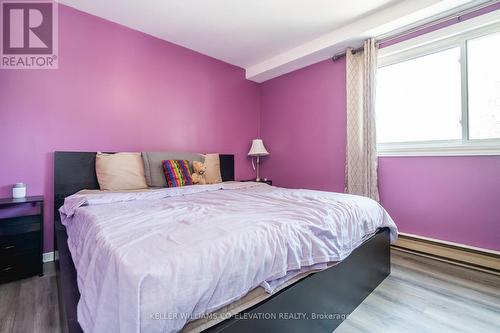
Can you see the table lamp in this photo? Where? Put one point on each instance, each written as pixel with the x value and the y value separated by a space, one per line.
pixel 257 150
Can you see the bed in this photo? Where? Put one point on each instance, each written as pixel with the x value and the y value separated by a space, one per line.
pixel 233 257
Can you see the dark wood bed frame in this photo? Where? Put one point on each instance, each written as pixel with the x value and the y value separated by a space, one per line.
pixel 326 298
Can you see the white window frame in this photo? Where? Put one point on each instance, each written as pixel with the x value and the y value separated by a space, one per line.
pixel 436 41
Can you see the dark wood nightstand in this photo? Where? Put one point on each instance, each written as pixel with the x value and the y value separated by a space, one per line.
pixel 21 238
pixel 263 180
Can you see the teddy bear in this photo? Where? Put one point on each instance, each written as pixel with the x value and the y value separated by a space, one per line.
pixel 198 175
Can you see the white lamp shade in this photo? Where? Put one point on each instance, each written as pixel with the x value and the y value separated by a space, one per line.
pixel 258 148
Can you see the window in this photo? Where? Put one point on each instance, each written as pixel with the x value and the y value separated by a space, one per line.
pixel 483 59
pixel 440 97
pixel 419 99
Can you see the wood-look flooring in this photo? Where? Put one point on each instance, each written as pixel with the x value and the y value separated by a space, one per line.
pixel 426 295
pixel 420 295
pixel 30 305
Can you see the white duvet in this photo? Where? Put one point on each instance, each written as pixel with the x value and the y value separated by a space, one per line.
pixel 151 261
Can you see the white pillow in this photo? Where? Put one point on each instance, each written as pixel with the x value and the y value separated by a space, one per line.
pixel 212 163
pixel 120 171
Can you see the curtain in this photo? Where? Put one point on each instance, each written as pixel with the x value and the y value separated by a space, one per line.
pixel 361 159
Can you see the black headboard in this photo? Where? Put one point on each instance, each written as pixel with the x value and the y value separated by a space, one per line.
pixel 75 171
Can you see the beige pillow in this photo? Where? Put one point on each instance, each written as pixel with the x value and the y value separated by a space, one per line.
pixel 120 171
pixel 212 163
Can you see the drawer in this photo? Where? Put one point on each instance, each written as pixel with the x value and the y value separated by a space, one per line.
pixel 25 266
pixel 20 209
pixel 19 258
pixel 15 244
pixel 20 225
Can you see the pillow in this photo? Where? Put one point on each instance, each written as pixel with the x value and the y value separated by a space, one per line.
pixel 177 173
pixel 120 171
pixel 212 163
pixel 153 167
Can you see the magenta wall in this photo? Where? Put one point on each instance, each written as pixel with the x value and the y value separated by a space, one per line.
pixel 449 198
pixel 303 124
pixel 119 90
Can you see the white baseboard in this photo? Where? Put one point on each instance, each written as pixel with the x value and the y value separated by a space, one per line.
pixel 49 256
pixel 473 257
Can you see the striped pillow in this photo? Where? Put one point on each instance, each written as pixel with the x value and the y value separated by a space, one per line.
pixel 177 172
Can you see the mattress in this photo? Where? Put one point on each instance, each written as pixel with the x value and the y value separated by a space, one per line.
pixel 157 260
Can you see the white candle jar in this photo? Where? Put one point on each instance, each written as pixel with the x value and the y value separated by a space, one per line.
pixel 19 190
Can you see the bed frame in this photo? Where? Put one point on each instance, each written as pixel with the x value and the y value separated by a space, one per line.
pixel 326 298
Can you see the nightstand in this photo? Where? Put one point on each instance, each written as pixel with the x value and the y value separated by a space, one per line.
pixel 263 180
pixel 21 238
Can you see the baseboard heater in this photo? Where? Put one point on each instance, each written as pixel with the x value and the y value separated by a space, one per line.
pixel 476 258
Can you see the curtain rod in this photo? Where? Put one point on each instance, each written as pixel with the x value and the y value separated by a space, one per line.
pixel 389 37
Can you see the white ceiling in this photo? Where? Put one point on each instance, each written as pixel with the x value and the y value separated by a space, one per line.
pixel 266 37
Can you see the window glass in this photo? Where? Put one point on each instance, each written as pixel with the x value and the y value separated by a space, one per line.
pixel 483 56
pixel 420 99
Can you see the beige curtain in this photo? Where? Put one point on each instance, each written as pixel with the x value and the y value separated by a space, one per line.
pixel 361 161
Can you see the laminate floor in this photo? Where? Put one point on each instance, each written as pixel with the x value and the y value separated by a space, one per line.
pixel 426 295
pixel 421 295
pixel 30 305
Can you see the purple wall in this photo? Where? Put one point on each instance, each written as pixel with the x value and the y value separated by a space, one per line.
pixel 449 198
pixel 117 89
pixel 303 124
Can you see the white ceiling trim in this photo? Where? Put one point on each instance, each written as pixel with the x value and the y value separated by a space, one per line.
pixel 324 47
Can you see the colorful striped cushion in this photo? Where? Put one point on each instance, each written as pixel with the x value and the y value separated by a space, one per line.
pixel 177 173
